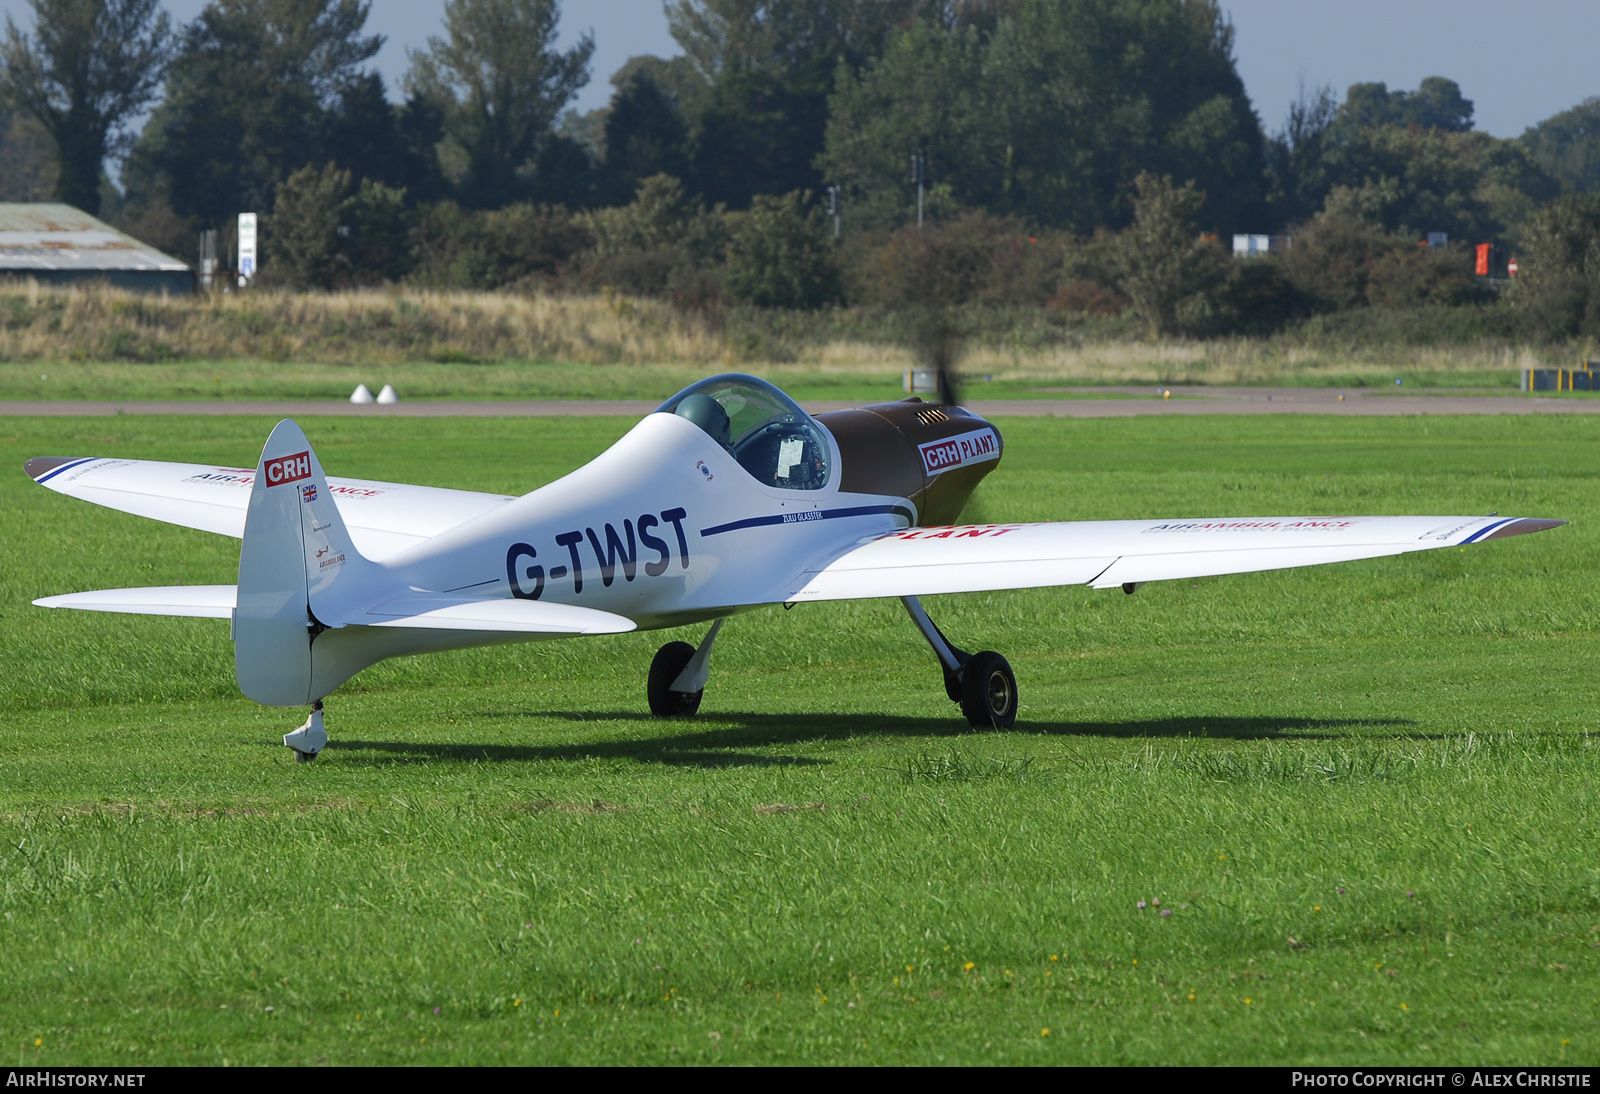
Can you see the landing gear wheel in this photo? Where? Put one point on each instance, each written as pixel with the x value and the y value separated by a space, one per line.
pixel 669 663
pixel 988 692
pixel 310 739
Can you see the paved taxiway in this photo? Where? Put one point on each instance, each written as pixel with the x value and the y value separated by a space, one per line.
pixel 1097 402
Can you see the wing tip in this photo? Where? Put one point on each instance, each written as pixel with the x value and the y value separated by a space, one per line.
pixel 1522 526
pixel 37 467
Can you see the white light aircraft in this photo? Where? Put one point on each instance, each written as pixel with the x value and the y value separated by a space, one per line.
pixel 729 497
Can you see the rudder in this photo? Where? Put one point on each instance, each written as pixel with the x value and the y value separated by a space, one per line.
pixel 299 573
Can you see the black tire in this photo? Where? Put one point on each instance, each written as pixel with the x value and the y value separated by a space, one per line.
pixel 303 757
pixel 988 692
pixel 669 663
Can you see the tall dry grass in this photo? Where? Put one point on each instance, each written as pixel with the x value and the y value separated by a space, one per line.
pixel 95 323
pixel 101 324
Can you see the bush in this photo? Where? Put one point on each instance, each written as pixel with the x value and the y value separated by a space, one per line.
pixel 1406 278
pixel 1257 298
pixel 454 248
pixel 661 243
pixel 780 254
pixel 1088 298
pixel 1331 261
pixel 975 257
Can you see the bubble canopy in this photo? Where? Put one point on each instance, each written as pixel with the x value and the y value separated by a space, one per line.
pixel 765 431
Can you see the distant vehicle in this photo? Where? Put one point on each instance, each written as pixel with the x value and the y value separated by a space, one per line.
pixel 728 497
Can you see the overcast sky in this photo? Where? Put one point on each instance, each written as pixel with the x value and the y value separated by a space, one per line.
pixel 1518 62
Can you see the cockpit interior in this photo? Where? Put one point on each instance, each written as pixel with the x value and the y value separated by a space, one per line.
pixel 762 428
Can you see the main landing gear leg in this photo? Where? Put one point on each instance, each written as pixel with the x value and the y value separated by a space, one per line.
pixel 310 738
pixel 981 682
pixel 678 676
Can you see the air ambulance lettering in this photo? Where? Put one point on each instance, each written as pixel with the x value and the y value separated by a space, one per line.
pixel 288 469
pixel 527 579
pixel 953 452
pixel 1310 525
pixel 224 478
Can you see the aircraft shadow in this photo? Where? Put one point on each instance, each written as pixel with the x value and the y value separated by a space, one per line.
pixel 716 747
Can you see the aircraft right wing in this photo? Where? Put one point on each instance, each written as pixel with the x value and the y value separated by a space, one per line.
pixel 1108 554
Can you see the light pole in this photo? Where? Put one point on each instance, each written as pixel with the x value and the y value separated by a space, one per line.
pixel 919 173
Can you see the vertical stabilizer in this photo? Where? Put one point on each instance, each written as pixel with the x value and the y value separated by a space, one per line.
pixel 299 573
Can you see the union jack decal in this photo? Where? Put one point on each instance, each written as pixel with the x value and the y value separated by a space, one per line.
pixel 308 494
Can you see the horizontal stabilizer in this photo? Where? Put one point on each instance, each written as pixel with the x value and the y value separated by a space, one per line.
pixel 434 612
pixel 203 601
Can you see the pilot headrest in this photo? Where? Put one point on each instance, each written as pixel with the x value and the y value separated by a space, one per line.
pixel 707 413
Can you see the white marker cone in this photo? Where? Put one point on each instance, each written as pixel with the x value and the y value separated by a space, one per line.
pixel 387 396
pixel 362 394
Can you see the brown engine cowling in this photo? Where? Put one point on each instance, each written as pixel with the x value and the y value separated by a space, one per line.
pixel 892 448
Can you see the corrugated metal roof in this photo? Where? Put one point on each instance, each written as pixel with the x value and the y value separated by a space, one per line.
pixel 59 237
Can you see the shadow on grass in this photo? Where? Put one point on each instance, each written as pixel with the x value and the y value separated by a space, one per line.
pixel 708 747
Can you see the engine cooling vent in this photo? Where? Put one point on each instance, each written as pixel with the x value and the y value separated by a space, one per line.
pixel 932 415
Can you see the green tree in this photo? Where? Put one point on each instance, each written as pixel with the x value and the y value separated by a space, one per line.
pixel 1567 146
pixel 1436 104
pixel 762 73
pixel 374 139
pixel 644 136
pixel 247 99
pixel 781 256
pixel 1297 155
pixel 501 84
pixel 306 250
pixel 1558 289
pixel 1071 99
pixel 327 232
pixel 90 65
pixel 1165 266
pixel 924 95
pixel 1476 187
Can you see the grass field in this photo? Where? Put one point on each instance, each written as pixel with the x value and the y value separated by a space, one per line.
pixel 1366 793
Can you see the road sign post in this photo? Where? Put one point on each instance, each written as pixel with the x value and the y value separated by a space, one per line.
pixel 247 248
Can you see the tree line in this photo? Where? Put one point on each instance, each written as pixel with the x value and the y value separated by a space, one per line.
pixel 1088 155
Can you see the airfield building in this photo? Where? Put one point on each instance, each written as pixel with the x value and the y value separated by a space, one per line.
pixel 58 243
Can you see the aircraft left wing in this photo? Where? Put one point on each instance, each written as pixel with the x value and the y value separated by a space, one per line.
pixel 1108 554
pixel 384 518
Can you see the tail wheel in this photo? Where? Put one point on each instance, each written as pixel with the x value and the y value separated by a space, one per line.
pixel 988 692
pixel 669 663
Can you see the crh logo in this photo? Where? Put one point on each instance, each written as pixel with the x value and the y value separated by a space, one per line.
pixel 288 469
pixel 974 447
